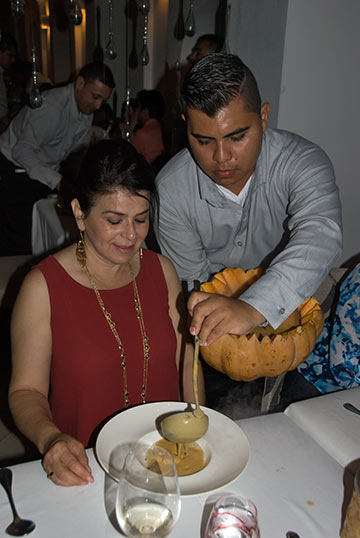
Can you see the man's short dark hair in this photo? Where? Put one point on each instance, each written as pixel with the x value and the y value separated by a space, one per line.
pixel 97 71
pixel 153 101
pixel 7 42
pixel 215 81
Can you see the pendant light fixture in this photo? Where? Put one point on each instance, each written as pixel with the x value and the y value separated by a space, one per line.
pixel 190 27
pixel 144 8
pixel 35 97
pixel 75 12
pixel 110 49
pixel 17 8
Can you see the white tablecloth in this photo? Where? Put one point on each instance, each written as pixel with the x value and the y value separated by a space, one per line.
pixel 50 228
pixel 333 427
pixel 293 482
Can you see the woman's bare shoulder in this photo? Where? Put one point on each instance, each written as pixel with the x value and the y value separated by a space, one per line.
pixel 167 265
pixel 33 288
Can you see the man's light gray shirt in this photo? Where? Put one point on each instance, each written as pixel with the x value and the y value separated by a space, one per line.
pixel 38 140
pixel 290 223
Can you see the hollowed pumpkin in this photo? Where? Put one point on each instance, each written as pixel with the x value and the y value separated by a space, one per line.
pixel 266 352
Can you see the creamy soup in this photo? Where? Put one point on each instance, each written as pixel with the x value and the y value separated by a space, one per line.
pixel 189 458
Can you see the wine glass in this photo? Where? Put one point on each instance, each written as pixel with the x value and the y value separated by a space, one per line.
pixel 148 498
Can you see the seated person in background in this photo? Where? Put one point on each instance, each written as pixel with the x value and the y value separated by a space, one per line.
pixel 99 323
pixel 245 196
pixel 34 145
pixel 205 44
pixel 8 51
pixel 148 137
pixel 334 363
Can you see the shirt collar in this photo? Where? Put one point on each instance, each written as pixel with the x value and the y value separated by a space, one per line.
pixel 75 112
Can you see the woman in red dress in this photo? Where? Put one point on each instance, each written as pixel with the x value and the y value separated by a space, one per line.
pixel 100 325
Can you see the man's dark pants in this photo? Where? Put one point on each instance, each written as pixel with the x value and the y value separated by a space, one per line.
pixel 18 193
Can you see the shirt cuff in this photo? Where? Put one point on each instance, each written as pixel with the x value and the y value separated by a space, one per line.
pixel 270 296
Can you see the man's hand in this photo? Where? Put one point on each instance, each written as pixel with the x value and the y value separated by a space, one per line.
pixel 215 315
pixel 66 461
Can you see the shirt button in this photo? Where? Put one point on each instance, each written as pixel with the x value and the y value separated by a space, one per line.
pixel 282 310
pixel 239 243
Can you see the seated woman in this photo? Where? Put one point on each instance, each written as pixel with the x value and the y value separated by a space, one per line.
pixel 334 363
pixel 148 137
pixel 100 325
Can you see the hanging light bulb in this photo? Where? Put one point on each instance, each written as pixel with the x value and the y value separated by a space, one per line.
pixel 178 77
pixel 35 98
pixel 17 8
pixel 190 27
pixel 144 8
pixel 144 55
pixel 76 14
pixel 126 132
pixel 110 49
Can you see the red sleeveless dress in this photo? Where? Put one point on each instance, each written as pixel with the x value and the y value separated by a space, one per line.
pixel 86 374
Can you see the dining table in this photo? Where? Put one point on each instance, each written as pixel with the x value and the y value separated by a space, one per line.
pixel 295 484
pixel 52 227
pixel 331 425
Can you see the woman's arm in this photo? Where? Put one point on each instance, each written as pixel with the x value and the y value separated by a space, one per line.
pixel 31 343
pixel 185 348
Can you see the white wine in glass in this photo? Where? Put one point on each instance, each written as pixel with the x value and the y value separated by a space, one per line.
pixel 148 498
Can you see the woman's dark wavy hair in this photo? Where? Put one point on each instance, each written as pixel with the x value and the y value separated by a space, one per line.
pixel 217 79
pixel 111 165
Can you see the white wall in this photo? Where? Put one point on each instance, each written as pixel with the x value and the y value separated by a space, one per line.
pixel 256 34
pixel 320 93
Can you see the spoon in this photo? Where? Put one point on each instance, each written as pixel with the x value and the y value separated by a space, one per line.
pixel 19 527
pixel 187 427
pixel 352 408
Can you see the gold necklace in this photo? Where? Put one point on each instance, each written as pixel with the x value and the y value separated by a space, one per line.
pixel 81 258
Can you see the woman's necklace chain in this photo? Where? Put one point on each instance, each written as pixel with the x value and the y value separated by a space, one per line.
pixel 81 258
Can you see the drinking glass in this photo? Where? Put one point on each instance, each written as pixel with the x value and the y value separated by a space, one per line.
pixel 148 496
pixel 233 517
pixel 351 524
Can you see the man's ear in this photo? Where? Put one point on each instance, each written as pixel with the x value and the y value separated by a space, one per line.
pixel 79 83
pixel 264 114
pixel 78 214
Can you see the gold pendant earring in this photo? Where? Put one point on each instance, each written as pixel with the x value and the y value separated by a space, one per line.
pixel 80 250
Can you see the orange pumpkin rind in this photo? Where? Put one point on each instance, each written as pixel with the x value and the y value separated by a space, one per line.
pixel 248 357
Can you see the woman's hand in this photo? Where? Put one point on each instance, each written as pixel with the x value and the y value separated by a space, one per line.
pixel 215 315
pixel 66 462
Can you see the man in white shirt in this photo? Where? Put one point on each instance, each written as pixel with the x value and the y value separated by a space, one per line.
pixel 8 51
pixel 36 143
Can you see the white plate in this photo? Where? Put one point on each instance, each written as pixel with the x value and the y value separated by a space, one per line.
pixel 229 446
